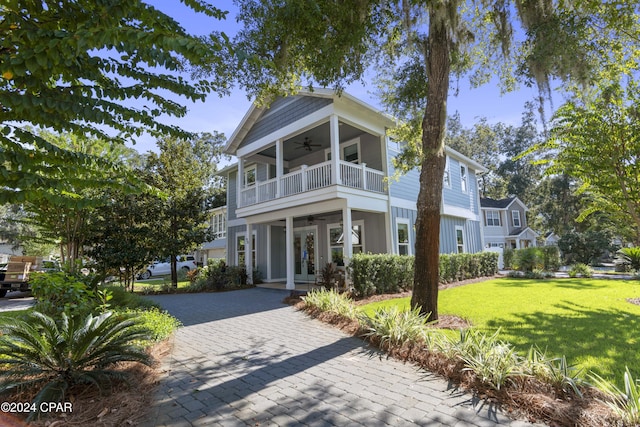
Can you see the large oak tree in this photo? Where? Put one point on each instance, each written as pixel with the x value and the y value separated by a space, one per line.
pixel 422 45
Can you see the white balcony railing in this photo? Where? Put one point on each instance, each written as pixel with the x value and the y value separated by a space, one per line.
pixel 310 178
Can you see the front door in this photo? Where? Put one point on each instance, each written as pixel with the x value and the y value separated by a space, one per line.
pixel 304 252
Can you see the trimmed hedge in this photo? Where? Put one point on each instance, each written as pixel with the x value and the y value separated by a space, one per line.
pixel 545 258
pixel 382 273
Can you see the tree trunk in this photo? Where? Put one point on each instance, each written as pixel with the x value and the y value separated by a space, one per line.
pixel 438 64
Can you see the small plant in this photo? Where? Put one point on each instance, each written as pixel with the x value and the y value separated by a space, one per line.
pixel 332 301
pixel 563 376
pixel 61 292
pixel 331 277
pixel 493 361
pixel 53 357
pixel 395 327
pixel 631 257
pixel 580 269
pixel 626 403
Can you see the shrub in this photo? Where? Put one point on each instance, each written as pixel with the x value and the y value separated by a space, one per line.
pixel 60 292
pixel 160 324
pixel 332 301
pixel 331 277
pixel 507 258
pixel 550 258
pixel 528 259
pixel 626 403
pixel 491 360
pixel 121 298
pixel 395 327
pixel 580 269
pixel 379 274
pixel 631 257
pixel 82 350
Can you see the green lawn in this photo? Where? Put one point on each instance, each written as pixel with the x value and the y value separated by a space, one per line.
pixel 157 284
pixel 587 320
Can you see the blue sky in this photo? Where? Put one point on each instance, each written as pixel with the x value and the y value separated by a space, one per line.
pixel 223 114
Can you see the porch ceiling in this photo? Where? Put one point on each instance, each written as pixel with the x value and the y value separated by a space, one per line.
pixel 318 137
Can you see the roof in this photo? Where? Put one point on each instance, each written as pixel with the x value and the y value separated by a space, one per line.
pixel 487 202
pixel 255 112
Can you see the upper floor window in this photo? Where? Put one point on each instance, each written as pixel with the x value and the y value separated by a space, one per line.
pixel 516 218
pixel 446 181
pixel 493 218
pixel 463 178
pixel 219 225
pixel 250 176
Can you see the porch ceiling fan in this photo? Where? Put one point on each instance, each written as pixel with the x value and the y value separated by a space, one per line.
pixel 306 144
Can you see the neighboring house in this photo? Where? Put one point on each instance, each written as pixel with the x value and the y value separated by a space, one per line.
pixel 505 224
pixel 551 239
pixel 7 250
pixel 217 248
pixel 313 165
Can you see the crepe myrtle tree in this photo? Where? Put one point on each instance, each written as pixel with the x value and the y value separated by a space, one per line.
pixel 417 47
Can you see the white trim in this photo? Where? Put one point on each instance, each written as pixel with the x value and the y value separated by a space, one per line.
pixel 513 218
pixel 407 222
pixel 459 212
pixel 486 218
pixel 359 222
pixel 403 203
pixel 254 247
pixel 312 120
pixel 464 178
pixel 447 170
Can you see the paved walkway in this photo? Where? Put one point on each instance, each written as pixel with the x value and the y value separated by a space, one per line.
pixel 245 359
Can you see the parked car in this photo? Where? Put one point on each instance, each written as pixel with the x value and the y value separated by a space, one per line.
pixel 162 268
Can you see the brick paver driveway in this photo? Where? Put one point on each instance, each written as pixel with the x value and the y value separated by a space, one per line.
pixel 245 359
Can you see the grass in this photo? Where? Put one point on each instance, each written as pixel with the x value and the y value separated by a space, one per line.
pixel 587 320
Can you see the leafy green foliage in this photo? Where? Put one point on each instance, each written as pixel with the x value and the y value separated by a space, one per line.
pixel 626 403
pixel 394 326
pixel 493 361
pixel 69 65
pixel 597 143
pixel 586 248
pixel 60 292
pixel 159 324
pixel 332 301
pixel 54 356
pixel 631 256
pixel 580 269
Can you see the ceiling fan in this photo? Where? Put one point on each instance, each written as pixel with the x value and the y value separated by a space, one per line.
pixel 306 144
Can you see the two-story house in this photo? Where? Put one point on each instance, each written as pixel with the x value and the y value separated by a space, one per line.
pixel 316 164
pixel 505 224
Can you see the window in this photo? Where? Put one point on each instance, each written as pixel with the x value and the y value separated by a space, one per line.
pixel 460 239
pixel 516 218
pixel 463 178
pixel 493 219
pixel 349 151
pixel 241 249
pixel 402 230
pixel 219 225
pixel 447 176
pixel 336 241
pixel 250 176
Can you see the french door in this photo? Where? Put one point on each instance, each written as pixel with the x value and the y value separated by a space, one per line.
pixel 304 252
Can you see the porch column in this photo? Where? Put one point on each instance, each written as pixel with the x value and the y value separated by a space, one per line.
pixel 279 165
pixel 248 253
pixel 289 251
pixel 240 181
pixel 347 239
pixel 334 131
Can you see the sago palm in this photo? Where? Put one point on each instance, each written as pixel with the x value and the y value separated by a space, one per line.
pixel 52 357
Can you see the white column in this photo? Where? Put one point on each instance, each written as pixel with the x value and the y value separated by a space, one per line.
pixel 279 165
pixel 334 131
pixel 388 230
pixel 248 253
pixel 347 240
pixel 289 252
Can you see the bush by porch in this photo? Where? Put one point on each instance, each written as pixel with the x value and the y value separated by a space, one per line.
pixel 382 273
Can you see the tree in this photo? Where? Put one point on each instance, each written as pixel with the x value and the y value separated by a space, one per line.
pixel 68 65
pixel 185 171
pixel 597 142
pixel 421 44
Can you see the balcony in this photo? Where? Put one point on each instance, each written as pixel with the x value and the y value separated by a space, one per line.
pixel 310 178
